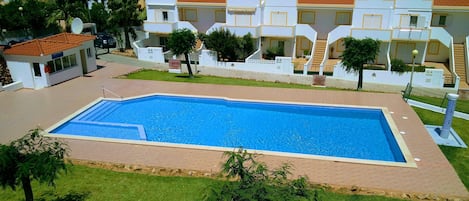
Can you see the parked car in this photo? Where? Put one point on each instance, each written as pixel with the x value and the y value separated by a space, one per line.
pixel 104 40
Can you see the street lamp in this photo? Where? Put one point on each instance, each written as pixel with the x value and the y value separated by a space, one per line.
pixel 414 53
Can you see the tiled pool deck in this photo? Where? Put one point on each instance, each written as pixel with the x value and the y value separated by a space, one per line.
pixel 24 109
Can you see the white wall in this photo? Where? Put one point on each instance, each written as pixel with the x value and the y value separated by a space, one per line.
pixel 255 16
pixel 205 19
pixel 280 6
pixel 61 76
pixel 155 13
pixel 324 22
pixel 152 54
pixel 432 78
pixel 359 13
pixel 456 25
pixel 414 4
pixel 21 71
pixel 90 61
pixel 442 56
pixel 281 65
pixel 374 4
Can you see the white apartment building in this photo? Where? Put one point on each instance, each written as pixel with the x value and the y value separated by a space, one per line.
pixel 316 27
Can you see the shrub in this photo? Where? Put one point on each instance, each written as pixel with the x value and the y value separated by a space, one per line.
pixel 398 65
pixel 256 182
pixel 273 52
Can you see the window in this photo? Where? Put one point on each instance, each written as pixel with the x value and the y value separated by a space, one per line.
pixel 88 53
pixel 372 21
pixel 165 16
pixel 243 19
pixel 62 63
pixel 433 47
pixel 343 18
pixel 187 14
pixel 278 18
pixel 413 21
pixel 220 16
pixel 307 17
pixel 37 70
pixel 439 20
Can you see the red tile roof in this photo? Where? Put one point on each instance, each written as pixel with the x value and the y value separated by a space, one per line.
pixel 451 2
pixel 48 45
pixel 326 2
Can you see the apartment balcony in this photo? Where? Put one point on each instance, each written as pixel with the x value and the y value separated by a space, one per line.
pixel 161 2
pixel 440 34
pixel 379 34
pixel 237 30
pixel 278 31
pixel 421 34
pixel 167 27
pixel 158 27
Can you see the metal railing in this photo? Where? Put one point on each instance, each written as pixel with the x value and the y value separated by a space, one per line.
pixel 104 90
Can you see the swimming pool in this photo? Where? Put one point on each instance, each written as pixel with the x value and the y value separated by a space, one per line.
pixel 340 132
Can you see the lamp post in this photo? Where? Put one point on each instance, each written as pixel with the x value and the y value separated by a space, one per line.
pixel 22 18
pixel 414 53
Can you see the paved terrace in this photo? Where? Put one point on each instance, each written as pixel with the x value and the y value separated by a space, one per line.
pixel 24 109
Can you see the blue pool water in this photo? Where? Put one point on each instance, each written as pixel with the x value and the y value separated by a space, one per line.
pixel 360 133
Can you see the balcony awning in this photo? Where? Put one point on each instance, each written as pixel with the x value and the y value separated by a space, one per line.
pixel 242 9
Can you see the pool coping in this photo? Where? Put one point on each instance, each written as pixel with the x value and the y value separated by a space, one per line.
pixel 410 161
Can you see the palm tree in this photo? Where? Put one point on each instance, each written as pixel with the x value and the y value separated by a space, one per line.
pixel 125 14
pixel 66 10
pixel 32 157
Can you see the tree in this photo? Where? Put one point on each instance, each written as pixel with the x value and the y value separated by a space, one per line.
pixel 31 157
pixel 66 10
pixel 5 76
pixel 182 41
pixel 125 13
pixel 99 15
pixel 357 53
pixel 224 43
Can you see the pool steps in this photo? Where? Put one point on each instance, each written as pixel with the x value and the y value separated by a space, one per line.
pixel 99 111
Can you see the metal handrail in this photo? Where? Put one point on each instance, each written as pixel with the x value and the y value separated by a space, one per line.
pixel 113 93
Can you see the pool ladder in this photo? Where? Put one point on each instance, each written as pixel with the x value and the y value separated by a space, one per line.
pixel 111 92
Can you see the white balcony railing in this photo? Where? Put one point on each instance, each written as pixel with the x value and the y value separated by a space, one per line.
pixel 379 34
pixel 277 31
pixel 440 34
pixel 160 2
pixel 238 31
pixel 158 27
pixel 411 34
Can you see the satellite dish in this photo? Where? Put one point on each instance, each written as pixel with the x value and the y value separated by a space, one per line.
pixel 77 25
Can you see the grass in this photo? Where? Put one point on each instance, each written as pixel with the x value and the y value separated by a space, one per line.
pixel 171 77
pixel 461 105
pixel 121 186
pixel 458 157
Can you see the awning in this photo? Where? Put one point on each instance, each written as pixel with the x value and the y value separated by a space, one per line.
pixel 242 9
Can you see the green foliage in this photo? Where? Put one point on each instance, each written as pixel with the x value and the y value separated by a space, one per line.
pixel 100 17
pixel 125 14
pixel 70 196
pixel 31 157
pixel 398 65
pixel 461 105
pixel 182 41
pixel 66 10
pixel 273 52
pixel 357 53
pixel 228 46
pixel 256 182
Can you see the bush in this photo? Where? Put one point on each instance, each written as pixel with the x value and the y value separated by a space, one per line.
pixel 273 52
pixel 256 182
pixel 398 65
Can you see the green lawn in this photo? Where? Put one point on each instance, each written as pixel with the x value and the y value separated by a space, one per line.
pixel 119 186
pixel 171 77
pixel 461 105
pixel 458 157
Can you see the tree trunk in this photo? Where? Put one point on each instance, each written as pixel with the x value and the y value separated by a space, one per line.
pixel 127 38
pixel 28 191
pixel 188 65
pixel 360 79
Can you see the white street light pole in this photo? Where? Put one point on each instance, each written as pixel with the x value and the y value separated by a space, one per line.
pixel 414 53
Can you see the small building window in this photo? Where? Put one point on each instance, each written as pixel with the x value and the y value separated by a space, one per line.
pixel 439 20
pixel 37 70
pixel 307 17
pixel 413 20
pixel 165 16
pixel 343 18
pixel 62 63
pixel 88 53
